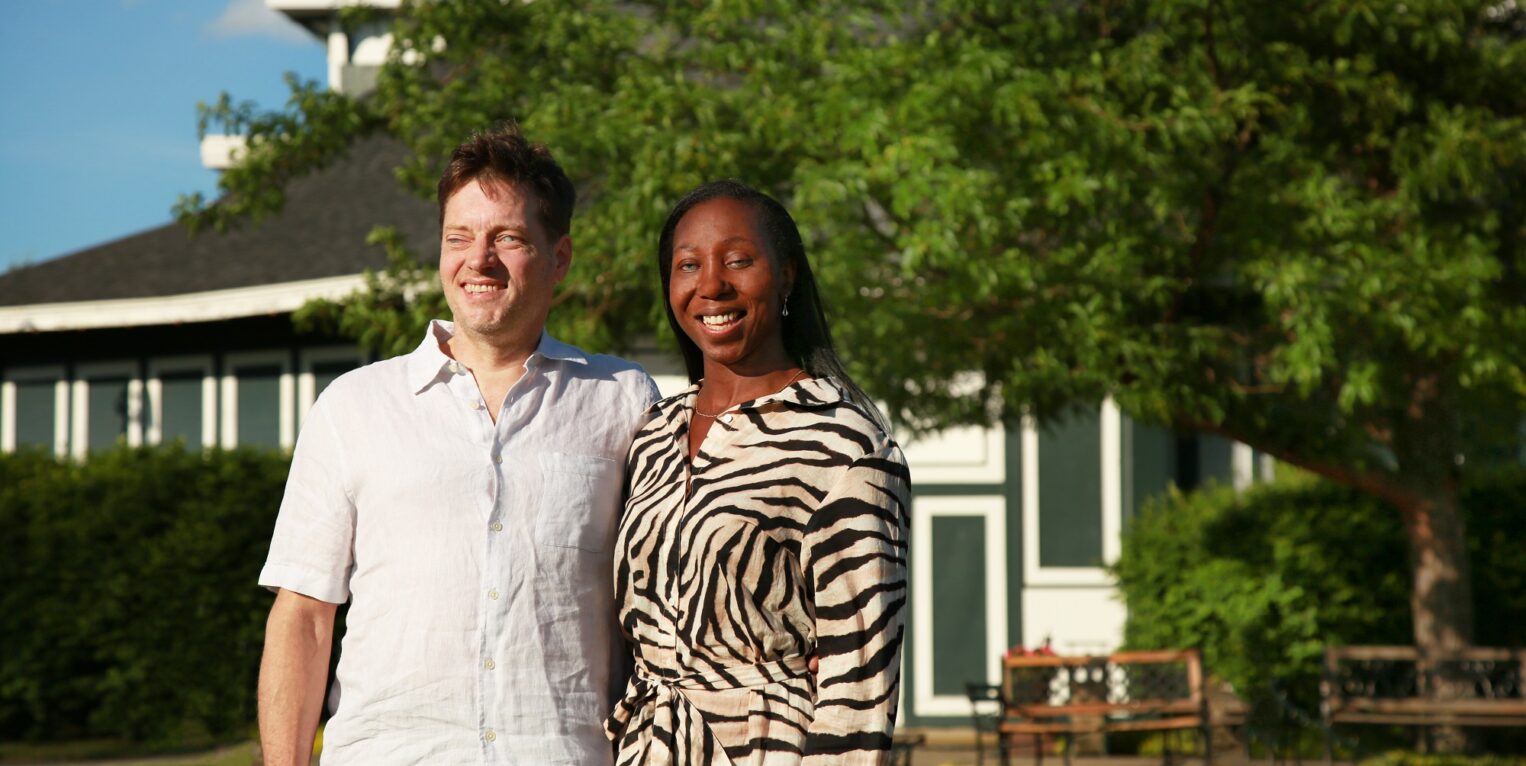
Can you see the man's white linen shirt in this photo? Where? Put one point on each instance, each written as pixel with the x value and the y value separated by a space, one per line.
pixel 477 556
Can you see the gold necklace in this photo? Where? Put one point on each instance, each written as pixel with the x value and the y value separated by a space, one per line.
pixel 792 379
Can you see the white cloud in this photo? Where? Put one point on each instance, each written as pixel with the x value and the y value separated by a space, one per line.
pixel 251 18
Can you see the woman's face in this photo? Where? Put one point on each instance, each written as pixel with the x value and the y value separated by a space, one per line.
pixel 726 288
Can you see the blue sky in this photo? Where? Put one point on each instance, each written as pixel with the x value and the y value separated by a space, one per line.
pixel 98 109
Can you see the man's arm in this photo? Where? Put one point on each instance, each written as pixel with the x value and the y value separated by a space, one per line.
pixel 293 673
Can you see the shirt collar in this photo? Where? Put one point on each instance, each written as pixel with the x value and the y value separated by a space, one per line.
pixel 813 392
pixel 428 363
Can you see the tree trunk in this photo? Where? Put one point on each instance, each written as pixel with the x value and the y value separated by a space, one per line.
pixel 1441 599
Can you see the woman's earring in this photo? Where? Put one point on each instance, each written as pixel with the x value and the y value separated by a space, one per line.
pixel 786 305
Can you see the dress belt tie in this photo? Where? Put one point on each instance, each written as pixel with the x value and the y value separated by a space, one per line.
pixel 654 706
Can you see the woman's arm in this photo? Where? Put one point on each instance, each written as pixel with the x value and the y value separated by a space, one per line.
pixel 856 561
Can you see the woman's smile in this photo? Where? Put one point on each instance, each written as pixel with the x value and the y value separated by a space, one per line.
pixel 728 289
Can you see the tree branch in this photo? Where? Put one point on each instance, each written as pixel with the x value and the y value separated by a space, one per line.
pixel 1371 482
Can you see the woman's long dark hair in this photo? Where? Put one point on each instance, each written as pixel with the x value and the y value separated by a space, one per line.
pixel 807 340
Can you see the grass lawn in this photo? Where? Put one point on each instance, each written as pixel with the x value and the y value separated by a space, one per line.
pixel 119 753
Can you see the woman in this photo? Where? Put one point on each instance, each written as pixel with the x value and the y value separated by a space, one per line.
pixel 766 519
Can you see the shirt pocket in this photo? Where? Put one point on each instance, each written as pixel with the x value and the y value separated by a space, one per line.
pixel 580 495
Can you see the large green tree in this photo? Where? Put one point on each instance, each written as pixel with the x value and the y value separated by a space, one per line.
pixel 1295 224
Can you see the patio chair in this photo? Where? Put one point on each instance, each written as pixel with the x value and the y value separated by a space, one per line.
pixel 986 710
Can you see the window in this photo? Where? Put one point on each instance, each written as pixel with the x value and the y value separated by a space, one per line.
pixel 182 402
pixel 257 397
pixel 34 409
pixel 320 367
pixel 1072 498
pixel 108 407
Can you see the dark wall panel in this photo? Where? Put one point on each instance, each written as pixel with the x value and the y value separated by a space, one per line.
pixel 1150 464
pixel 1070 493
pixel 959 602
pixel 259 405
pixel 181 408
pixel 36 413
pixel 106 412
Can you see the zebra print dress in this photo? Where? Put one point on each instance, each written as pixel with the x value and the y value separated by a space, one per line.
pixel 791 541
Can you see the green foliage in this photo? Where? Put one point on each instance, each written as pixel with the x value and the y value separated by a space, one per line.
pixel 389 316
pixel 129 595
pixel 1298 224
pixel 1263 580
pixel 1274 220
pixel 1405 758
pixel 315 129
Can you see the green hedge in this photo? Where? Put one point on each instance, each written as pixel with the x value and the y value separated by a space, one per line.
pixel 1263 580
pixel 128 588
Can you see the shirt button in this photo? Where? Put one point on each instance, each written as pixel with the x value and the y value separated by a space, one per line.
pixel 493 594
pixel 725 418
pixel 489 665
pixel 497 526
pixel 454 367
pixel 490 735
pixel 476 405
pixel 498 459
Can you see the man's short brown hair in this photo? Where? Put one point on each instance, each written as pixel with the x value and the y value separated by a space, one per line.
pixel 505 156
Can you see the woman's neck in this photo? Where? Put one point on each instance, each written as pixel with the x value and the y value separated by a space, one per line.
pixel 722 387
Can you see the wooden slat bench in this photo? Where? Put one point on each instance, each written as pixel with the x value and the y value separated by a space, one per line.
pixel 1124 691
pixel 1392 685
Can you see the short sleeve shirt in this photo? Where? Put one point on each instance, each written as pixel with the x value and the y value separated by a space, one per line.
pixel 475 555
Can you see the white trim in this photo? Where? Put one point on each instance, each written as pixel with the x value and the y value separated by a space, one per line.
pixel 172 309
pixel 965 455
pixel 7 415
pixel 286 394
pixel 298 6
pixel 1112 483
pixel 14 375
pixel 85 373
pixel 1110 423
pixel 307 381
pixel 158 367
pixel 1242 466
pixel 221 151
pixel 338 55
pixel 993 510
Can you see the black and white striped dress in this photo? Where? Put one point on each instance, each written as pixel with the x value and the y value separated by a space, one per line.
pixel 791 541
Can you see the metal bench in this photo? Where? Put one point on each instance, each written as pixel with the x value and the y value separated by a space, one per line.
pixel 1124 691
pixel 902 746
pixel 1393 685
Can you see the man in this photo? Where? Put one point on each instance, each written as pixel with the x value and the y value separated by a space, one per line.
pixel 464 499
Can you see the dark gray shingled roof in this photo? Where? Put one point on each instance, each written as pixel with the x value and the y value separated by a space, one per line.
pixel 320 232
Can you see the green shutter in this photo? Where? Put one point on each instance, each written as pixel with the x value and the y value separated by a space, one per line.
pixel 106 412
pixel 1151 460
pixel 180 408
pixel 1215 460
pixel 259 405
pixel 36 414
pixel 1070 493
pixel 958 602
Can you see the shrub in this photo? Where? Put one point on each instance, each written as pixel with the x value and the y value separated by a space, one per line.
pixel 1262 580
pixel 128 585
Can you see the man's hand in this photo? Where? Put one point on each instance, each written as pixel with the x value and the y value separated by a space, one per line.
pixel 814 664
pixel 293 673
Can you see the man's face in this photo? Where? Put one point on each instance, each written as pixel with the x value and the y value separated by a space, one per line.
pixel 497 266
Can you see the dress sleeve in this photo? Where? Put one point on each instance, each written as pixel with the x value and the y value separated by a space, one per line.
pixel 311 551
pixel 856 560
